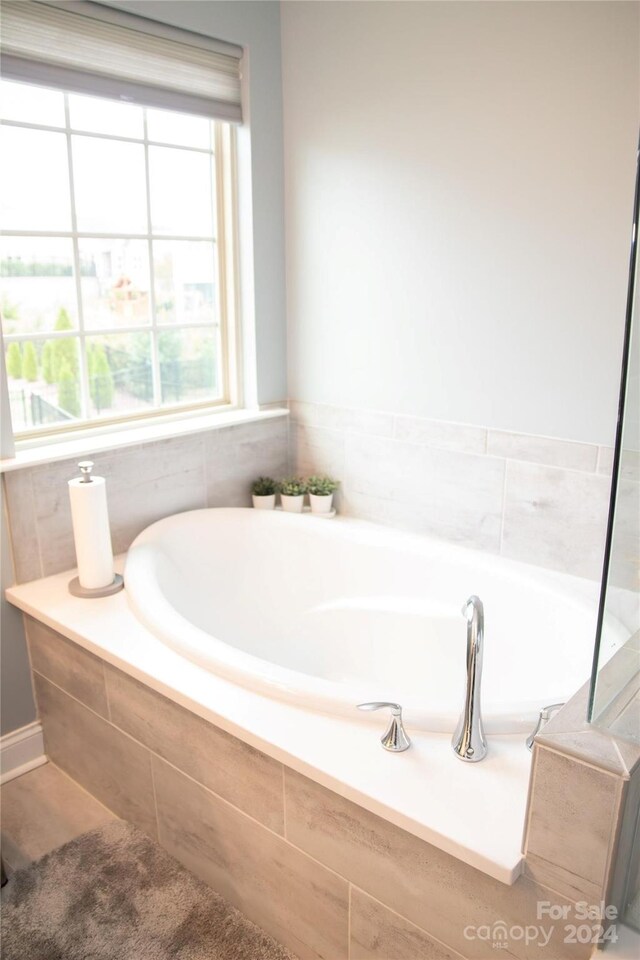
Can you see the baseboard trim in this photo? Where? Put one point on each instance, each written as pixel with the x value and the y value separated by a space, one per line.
pixel 20 751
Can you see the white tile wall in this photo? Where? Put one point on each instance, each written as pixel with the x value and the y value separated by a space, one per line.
pixel 555 518
pixel 455 495
pixel 538 499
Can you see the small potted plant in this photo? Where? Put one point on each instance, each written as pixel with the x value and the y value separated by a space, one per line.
pixel 263 492
pixel 292 491
pixel 321 490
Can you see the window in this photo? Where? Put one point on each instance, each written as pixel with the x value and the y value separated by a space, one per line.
pixel 112 258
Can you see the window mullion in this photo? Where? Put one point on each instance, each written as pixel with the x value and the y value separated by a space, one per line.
pixel 155 348
pixel 74 335
pixel 105 235
pixel 103 136
pixel 84 366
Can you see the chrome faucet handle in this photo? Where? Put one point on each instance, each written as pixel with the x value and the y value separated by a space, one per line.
pixel 394 738
pixel 545 715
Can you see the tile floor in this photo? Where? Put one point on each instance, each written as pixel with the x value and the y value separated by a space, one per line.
pixel 42 810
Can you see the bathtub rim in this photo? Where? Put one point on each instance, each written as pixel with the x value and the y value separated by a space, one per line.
pixel 160 617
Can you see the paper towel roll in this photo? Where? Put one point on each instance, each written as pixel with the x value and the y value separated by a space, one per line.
pixel 91 532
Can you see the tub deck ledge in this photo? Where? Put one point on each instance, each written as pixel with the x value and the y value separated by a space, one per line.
pixel 475 812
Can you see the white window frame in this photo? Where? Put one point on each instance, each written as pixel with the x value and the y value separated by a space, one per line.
pixel 227 285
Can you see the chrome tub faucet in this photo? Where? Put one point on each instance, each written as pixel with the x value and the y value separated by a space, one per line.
pixel 469 741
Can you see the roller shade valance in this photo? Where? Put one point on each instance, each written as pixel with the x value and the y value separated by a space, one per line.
pixel 87 48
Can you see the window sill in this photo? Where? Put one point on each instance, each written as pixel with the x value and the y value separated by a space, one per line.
pixel 91 442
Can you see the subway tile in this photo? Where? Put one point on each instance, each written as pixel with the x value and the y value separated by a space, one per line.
pixel 572 814
pixel 235 491
pixel 442 896
pixel 316 450
pixel 617 892
pixel 232 488
pixel 627 723
pixel 380 934
pixel 153 481
pixel 617 678
pixel 371 422
pixel 53 515
pixel 245 777
pixel 67 665
pixel 439 433
pixel 625 552
pixel 629 463
pixel 295 899
pixel 453 495
pixel 345 419
pixel 144 484
pixel 605 460
pixel 111 766
pixel 550 451
pixel 22 524
pixel 555 518
pixel 557 878
pixel 403 515
pixel 269 431
pixel 235 456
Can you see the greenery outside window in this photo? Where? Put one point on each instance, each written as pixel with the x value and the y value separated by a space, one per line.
pixel 113 280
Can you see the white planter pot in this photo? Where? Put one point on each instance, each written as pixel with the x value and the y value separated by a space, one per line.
pixel 292 504
pixel 264 503
pixel 320 504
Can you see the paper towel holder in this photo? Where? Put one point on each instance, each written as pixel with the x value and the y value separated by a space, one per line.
pixel 75 587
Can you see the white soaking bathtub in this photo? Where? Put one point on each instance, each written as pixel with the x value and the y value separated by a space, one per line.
pixel 326 614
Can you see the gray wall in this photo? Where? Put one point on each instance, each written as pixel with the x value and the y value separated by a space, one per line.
pixel 16 697
pixel 459 187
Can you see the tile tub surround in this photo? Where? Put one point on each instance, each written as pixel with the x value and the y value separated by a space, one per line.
pixel 144 483
pixel 537 499
pixel 427 794
pixel 582 850
pixel 320 873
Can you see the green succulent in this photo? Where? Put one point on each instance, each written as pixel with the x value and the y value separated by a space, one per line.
pixel 293 487
pixel 322 486
pixel 264 487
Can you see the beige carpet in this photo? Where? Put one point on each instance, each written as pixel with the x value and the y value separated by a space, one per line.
pixel 114 894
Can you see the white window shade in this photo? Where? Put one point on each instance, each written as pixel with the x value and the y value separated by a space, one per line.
pixel 87 48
